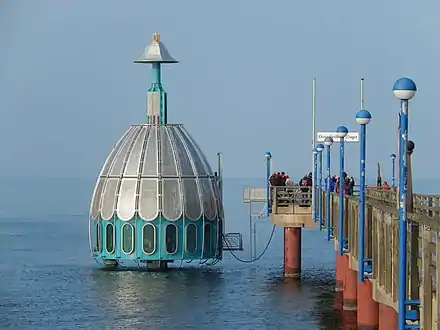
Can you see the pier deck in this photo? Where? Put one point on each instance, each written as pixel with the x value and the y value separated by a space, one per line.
pixel 381 245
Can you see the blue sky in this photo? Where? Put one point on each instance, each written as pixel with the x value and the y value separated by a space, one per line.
pixel 69 88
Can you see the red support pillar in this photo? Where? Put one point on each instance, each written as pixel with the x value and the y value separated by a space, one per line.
pixel 292 252
pixel 337 302
pixel 341 268
pixel 387 318
pixel 368 309
pixel 348 320
pixel 350 289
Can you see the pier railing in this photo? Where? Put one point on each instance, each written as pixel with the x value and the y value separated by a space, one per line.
pixel 421 204
pixel 381 246
pixel 283 196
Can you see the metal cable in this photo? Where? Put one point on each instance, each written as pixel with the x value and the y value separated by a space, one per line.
pixel 262 253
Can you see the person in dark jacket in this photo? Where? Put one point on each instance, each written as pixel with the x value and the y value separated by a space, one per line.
pixel 351 185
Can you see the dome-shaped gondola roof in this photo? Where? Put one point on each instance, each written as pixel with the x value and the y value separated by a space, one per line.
pixel 156 171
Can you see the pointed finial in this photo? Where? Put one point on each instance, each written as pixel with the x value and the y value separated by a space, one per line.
pixel 156 36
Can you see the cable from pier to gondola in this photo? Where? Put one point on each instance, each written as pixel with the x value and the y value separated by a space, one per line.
pixel 257 258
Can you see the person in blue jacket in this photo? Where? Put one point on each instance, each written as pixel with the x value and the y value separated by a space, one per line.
pixel 332 183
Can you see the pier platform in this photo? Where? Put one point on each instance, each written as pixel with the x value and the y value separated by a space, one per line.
pixel 381 247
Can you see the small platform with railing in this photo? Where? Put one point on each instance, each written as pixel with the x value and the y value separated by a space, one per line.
pixel 288 206
pixel 291 206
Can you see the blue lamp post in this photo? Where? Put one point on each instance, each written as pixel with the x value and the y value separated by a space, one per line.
pixel 268 157
pixel 393 160
pixel 363 117
pixel 404 89
pixel 320 149
pixel 341 133
pixel 315 165
pixel 328 143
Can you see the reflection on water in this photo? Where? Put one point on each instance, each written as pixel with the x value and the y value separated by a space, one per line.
pixel 51 282
pixel 149 298
pixel 52 285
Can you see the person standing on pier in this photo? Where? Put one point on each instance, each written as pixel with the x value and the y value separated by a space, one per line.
pixel 289 181
pixel 332 183
pixel 351 185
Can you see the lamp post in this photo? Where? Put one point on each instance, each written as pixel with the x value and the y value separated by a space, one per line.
pixel 404 89
pixel 363 117
pixel 341 133
pixel 268 157
pixel 393 178
pixel 328 142
pixel 320 149
pixel 315 165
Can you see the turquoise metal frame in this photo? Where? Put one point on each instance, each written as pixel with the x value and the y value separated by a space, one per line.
pixel 202 251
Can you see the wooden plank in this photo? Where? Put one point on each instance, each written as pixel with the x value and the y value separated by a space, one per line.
pixel 434 223
pixel 395 257
pixel 335 215
pixel 345 220
pixel 413 270
pixel 437 280
pixel 382 247
pixel 374 241
pixel 355 214
pixel 426 282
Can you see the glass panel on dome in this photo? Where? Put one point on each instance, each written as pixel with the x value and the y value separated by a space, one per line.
pixel 199 151
pixel 208 195
pixel 193 208
pixel 150 157
pixel 133 161
pixel 127 199
pixel 96 200
pixel 214 244
pixel 186 167
pixel 127 238
pixel 195 159
pixel 148 199
pixel 172 206
pixel 191 238
pixel 109 238
pixel 97 237
pixel 168 163
pixel 148 239
pixel 114 152
pixel 122 156
pixel 220 232
pixel 215 200
pixel 171 239
pixel 108 199
pixel 207 238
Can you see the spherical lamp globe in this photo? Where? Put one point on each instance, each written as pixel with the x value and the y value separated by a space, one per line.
pixel 404 88
pixel 341 132
pixel 363 117
pixel 328 141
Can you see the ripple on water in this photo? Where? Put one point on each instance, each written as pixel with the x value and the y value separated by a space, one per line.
pixel 52 286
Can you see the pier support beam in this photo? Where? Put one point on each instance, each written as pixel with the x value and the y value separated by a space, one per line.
pixel 348 320
pixel 292 252
pixel 368 309
pixel 387 318
pixel 350 290
pixel 341 269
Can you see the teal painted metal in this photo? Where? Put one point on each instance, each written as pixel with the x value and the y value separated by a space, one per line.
pixel 156 198
pixel 205 245
pixel 156 86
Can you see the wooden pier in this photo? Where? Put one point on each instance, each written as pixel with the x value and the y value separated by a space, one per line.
pixel 381 245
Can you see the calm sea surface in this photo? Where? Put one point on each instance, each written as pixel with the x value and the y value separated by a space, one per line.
pixel 49 280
